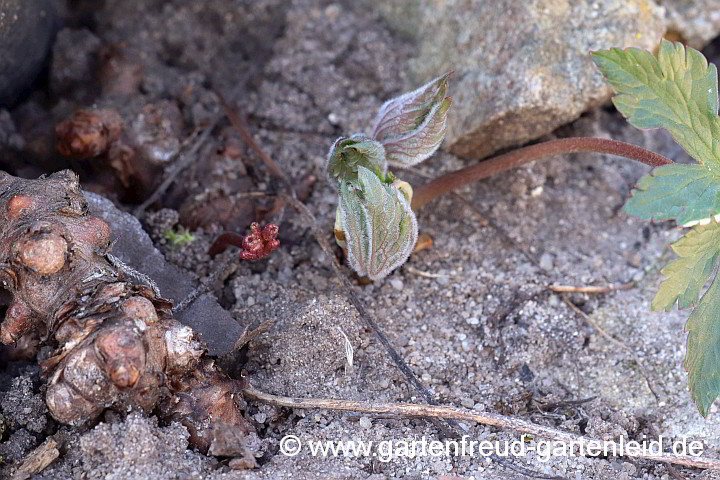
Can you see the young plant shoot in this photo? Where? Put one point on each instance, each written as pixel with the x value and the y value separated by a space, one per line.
pixel 374 220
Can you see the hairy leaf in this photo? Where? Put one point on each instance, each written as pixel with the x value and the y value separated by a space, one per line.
pixel 697 256
pixel 412 126
pixel 378 224
pixel 347 154
pixel 702 360
pixel 687 193
pixel 676 91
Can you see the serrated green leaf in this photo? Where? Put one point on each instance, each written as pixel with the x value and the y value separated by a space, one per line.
pixel 676 91
pixel 687 193
pixel 379 226
pixel 702 360
pixel 697 254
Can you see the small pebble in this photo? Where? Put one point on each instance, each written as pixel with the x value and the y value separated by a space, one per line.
pixel 473 321
pixel 250 301
pixel 333 119
pixel 365 422
pixel 260 417
pixel 546 261
pixel 467 402
pixel 396 283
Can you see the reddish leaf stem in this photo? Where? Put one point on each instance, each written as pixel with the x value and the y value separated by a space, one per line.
pixel 521 156
pixel 259 244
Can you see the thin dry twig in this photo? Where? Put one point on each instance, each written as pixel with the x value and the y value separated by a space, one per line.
pixel 428 274
pixel 592 288
pixel 484 418
pixel 241 127
pixel 248 335
pixel 181 164
pixel 591 321
pixel 38 460
pixel 614 341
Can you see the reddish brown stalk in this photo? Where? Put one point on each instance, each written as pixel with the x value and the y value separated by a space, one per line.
pixel 521 156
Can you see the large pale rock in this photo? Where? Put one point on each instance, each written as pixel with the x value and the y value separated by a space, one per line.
pixel 522 67
pixel 695 22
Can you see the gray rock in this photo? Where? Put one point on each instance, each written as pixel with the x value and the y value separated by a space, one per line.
pixel 396 283
pixel 546 261
pixel 133 246
pixel 695 22
pixel 26 31
pixel 521 68
pixel 74 62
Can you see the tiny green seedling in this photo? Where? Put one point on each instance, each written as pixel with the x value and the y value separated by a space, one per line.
pixel 180 237
pixel 374 220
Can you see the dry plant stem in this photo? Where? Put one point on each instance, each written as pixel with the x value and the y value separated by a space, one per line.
pixel 521 156
pixel 241 126
pixel 176 169
pixel 38 460
pixel 404 368
pixel 615 342
pixel 485 418
pixel 591 288
pixel 590 321
pixel 207 284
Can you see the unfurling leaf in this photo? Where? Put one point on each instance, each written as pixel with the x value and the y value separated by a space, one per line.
pixel 676 91
pixel 687 193
pixel 378 225
pixel 697 256
pixel 702 360
pixel 347 154
pixel 412 126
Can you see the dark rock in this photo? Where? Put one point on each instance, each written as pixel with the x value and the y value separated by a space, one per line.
pixel 74 64
pixel 26 32
pixel 133 246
